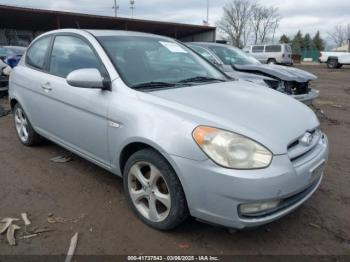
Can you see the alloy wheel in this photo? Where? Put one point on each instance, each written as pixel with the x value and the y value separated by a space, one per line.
pixel 21 125
pixel 149 191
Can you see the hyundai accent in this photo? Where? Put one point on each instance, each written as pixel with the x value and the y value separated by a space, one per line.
pixel 186 139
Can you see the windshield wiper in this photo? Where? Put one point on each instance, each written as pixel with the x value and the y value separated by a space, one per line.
pixel 151 85
pixel 201 79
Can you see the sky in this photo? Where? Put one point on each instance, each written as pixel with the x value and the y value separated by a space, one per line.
pixel 306 15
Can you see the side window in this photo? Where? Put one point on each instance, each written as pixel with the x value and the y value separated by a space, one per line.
pixel 70 53
pixel 273 48
pixel 258 49
pixel 36 54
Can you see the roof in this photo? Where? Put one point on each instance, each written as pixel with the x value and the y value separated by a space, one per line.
pixel 21 18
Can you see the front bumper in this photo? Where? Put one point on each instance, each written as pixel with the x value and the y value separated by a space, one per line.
pixel 214 194
pixel 307 98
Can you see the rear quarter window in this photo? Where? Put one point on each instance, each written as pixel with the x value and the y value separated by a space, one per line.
pixel 273 48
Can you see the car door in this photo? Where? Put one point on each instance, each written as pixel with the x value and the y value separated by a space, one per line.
pixel 29 78
pixel 76 117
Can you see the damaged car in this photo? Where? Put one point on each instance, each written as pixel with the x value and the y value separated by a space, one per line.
pixel 237 64
pixel 186 139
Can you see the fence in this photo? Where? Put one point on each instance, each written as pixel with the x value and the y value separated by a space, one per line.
pixel 313 54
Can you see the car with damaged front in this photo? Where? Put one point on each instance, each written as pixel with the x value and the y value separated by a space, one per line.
pixel 236 63
pixel 186 139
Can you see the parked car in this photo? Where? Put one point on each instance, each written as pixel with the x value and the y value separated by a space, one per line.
pixel 271 54
pixel 236 63
pixel 5 71
pixel 187 139
pixel 335 59
pixel 11 55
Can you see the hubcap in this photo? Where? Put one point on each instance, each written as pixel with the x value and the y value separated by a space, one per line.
pixel 149 192
pixel 21 125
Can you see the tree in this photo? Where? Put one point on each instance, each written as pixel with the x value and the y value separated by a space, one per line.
pixel 284 39
pixel 318 41
pixel 297 42
pixel 264 21
pixel 340 34
pixel 235 21
pixel 307 42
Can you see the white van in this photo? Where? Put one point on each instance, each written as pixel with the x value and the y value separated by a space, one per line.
pixel 271 54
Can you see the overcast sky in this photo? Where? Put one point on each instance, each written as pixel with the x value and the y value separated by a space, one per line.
pixel 307 15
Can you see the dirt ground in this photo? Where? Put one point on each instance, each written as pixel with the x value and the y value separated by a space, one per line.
pixel 86 199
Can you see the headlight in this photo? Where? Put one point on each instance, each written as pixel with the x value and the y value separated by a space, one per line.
pixel 231 150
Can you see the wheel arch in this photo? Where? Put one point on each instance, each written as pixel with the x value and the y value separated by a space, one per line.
pixel 13 102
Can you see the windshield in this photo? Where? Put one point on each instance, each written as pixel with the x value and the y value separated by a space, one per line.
pixel 157 61
pixel 233 56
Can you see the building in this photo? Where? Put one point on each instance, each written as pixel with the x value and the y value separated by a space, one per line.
pixel 344 48
pixel 19 26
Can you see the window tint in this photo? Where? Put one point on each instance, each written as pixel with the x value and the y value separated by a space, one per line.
pixel 273 48
pixel 70 53
pixel 258 49
pixel 37 52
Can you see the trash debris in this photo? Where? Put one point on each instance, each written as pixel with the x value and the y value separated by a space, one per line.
pixel 11 234
pixel 25 219
pixel 315 225
pixel 184 245
pixel 52 219
pixel 28 236
pixel 62 159
pixel 72 247
pixel 42 230
pixel 7 222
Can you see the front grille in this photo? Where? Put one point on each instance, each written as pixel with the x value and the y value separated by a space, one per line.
pixel 297 150
pixel 296 88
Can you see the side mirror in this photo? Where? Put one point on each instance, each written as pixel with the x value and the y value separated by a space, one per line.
pixel 87 78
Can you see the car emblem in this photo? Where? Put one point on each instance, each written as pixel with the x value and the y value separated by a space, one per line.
pixel 307 139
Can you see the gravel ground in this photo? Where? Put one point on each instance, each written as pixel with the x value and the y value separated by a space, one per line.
pixel 81 197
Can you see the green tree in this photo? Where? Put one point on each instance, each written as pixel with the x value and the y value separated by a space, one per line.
pixel 297 42
pixel 284 39
pixel 318 41
pixel 307 42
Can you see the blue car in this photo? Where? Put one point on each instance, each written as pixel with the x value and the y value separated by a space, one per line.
pixel 11 55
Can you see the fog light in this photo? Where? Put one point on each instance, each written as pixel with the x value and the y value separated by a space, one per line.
pixel 252 208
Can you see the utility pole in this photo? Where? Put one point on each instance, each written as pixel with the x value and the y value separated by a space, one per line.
pixel 115 7
pixel 132 7
pixel 208 4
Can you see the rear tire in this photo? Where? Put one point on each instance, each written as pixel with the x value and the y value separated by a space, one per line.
pixel 332 63
pixel 272 61
pixel 154 191
pixel 339 66
pixel 25 132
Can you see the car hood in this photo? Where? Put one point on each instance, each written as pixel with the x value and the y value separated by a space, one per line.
pixel 276 71
pixel 269 117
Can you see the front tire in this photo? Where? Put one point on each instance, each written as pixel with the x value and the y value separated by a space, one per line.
pixel 154 191
pixel 25 132
pixel 332 63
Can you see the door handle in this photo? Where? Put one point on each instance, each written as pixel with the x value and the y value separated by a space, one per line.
pixel 46 86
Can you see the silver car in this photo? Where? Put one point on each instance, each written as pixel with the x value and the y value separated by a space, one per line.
pixel 234 62
pixel 185 138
